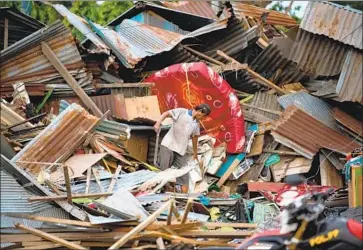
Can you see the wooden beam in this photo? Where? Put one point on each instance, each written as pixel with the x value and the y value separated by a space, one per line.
pixel 51 220
pixel 88 180
pixel 170 214
pixel 68 184
pixel 114 179
pixel 97 179
pixel 49 237
pixel 168 230
pixel 188 206
pixel 255 74
pixel 204 56
pixel 160 243
pixel 6 33
pixel 229 171
pixel 141 226
pixel 57 64
pixel 62 197
pixel 262 109
pixel 281 152
pixel 53 187
pixel 125 85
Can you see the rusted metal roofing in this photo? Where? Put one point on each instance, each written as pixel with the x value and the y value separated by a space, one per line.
pixel 348 121
pixel 349 87
pixel 318 55
pixel 132 41
pixel 198 8
pixel 306 135
pixel 273 65
pixel 55 142
pixel 338 22
pixel 113 103
pixel 25 62
pixel 273 18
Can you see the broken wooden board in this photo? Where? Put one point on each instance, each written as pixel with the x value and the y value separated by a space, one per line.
pixel 257 146
pixel 138 145
pixel 228 167
pixel 355 191
pixel 329 174
pixel 290 165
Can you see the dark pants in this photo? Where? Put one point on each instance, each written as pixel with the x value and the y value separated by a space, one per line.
pixel 168 158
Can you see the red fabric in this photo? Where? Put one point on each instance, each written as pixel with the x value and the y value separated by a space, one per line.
pixel 189 84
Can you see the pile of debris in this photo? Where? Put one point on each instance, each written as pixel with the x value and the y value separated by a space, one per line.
pixel 78 149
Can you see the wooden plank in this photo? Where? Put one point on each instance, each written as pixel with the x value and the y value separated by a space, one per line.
pixel 138 145
pixel 88 180
pixel 255 74
pixel 289 165
pixel 188 206
pixel 230 170
pixel 114 178
pixel 97 179
pixel 168 230
pixel 68 184
pixel 234 225
pixel 257 146
pixel 215 234
pixel 204 56
pixel 356 184
pixel 141 226
pixel 170 214
pixel 53 187
pixel 49 237
pixel 160 243
pixel 266 186
pixel 126 85
pixel 49 245
pixel 281 152
pixel 57 64
pixel 6 33
pixel 329 175
pixel 52 220
pixel 62 197
pixel 262 109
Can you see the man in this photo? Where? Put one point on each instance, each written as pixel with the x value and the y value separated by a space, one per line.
pixel 174 145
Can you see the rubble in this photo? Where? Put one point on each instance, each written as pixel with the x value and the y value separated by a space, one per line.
pixel 78 147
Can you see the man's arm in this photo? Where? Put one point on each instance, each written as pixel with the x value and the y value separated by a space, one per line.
pixel 165 115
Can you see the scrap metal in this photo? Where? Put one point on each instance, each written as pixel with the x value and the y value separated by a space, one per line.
pixel 306 135
pixel 198 8
pixel 338 22
pixel 53 144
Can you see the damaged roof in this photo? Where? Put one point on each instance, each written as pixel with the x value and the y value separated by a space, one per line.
pixel 335 21
pixel 198 8
pixel 307 135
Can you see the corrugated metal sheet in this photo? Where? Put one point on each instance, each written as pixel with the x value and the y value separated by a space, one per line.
pixel 318 55
pixel 81 24
pixel 148 17
pixel 54 212
pixel 265 101
pixel 274 17
pixel 25 62
pixel 198 8
pixel 106 126
pixel 306 135
pixel 14 198
pixel 53 144
pixel 113 103
pixel 311 105
pixel 338 22
pixel 273 65
pixel 348 121
pixel 132 41
pixel 153 198
pixel 127 181
pixel 349 87
pixel 231 40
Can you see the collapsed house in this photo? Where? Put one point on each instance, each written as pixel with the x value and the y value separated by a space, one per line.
pixel 78 146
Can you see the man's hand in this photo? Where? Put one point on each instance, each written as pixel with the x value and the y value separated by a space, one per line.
pixel 157 127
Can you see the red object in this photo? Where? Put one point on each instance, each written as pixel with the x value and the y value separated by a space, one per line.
pixel 355 228
pixel 254 238
pixel 265 186
pixel 189 84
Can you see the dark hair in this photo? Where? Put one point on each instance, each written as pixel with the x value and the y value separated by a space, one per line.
pixel 204 108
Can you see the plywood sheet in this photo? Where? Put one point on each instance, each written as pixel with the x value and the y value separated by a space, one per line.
pixel 257 146
pixel 142 107
pixel 329 174
pixel 138 145
pixel 290 165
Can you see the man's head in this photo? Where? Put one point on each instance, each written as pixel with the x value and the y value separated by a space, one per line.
pixel 201 111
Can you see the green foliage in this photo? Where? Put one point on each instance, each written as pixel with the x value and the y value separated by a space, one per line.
pixel 101 14
pixel 292 12
pixel 353 4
